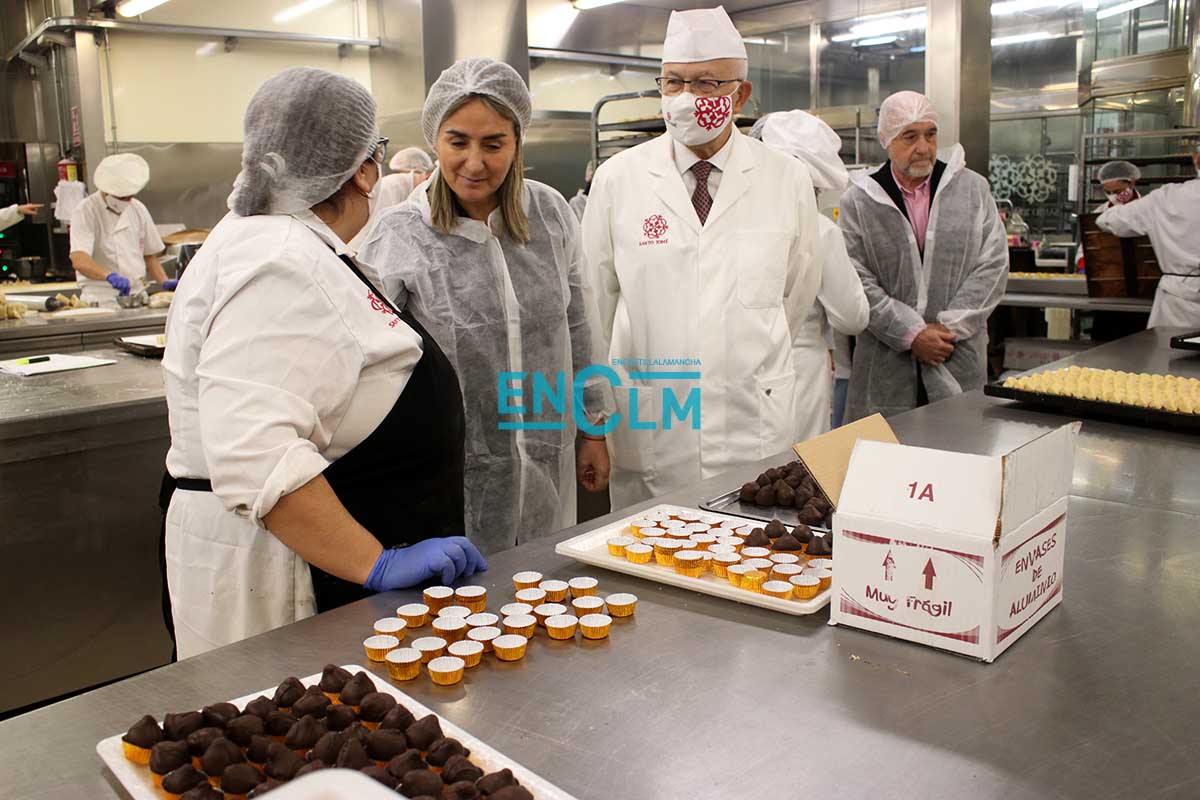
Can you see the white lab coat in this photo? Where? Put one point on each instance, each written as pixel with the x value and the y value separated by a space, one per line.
pixel 117 243
pixel 842 307
pixel 578 204
pixel 9 216
pixel 279 361
pixel 1170 216
pixel 394 189
pixel 731 294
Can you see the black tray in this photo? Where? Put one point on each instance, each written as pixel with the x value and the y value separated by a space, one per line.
pixel 1181 342
pixel 731 504
pixel 1097 408
pixel 147 351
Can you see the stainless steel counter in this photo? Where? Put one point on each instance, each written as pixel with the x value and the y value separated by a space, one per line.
pixel 36 334
pixel 1133 305
pixel 81 456
pixel 703 698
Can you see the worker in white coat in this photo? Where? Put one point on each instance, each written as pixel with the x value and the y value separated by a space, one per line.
pixel 407 170
pixel 490 263
pixel 701 246
pixel 316 430
pixel 841 305
pixel 15 213
pixel 927 241
pixel 1118 180
pixel 1170 216
pixel 114 244
pixel 578 202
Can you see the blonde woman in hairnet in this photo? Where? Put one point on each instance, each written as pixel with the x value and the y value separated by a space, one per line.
pixel 926 239
pixel 489 262
pixel 841 305
pixel 316 430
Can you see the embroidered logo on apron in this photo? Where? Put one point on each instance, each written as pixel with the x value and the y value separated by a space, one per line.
pixel 382 307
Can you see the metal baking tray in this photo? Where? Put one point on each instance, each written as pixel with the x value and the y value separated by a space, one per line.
pixel 1186 341
pixel 731 503
pixel 139 783
pixel 592 548
pixel 1097 408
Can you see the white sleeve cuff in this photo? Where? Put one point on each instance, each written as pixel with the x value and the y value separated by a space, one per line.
pixel 300 464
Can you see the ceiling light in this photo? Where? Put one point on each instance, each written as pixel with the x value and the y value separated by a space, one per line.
pixel 1021 38
pixel 584 5
pixel 883 27
pixel 133 8
pixel 1122 8
pixel 299 10
pixel 876 40
pixel 1010 7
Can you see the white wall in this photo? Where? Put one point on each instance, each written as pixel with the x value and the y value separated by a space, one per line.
pixel 188 89
pixel 567 86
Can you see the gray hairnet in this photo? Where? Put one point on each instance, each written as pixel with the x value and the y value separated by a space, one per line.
pixel 411 159
pixel 1118 171
pixel 306 132
pixel 475 76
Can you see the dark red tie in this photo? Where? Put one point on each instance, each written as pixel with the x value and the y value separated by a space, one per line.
pixel 701 199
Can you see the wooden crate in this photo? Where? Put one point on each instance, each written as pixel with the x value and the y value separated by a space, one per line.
pixel 1117 266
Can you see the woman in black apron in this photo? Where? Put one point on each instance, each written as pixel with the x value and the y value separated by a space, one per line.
pixel 299 483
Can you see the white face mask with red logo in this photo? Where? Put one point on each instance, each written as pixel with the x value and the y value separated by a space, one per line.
pixel 693 120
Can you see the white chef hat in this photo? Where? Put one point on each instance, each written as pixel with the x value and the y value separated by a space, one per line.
pixel 902 109
pixel 122 175
pixel 803 136
pixel 705 34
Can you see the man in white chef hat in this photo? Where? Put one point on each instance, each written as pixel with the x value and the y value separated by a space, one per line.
pixel 114 243
pixel 700 247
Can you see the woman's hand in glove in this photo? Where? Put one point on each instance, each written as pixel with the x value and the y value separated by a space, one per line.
pixel 447 559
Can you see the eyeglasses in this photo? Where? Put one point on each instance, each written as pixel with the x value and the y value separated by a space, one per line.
pixel 704 87
pixel 379 154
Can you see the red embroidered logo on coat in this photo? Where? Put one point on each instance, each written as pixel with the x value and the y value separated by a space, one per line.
pixel 382 308
pixel 713 112
pixel 655 226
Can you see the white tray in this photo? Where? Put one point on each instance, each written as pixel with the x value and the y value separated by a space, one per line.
pixel 138 782
pixel 592 548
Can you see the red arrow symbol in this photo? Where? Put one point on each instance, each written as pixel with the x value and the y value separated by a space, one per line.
pixel 929 572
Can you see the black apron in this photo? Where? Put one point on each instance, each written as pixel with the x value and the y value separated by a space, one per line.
pixel 403 483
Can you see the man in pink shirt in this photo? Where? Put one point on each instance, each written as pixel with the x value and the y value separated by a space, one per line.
pixel 927 242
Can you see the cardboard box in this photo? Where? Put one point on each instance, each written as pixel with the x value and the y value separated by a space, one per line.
pixel 827 456
pixel 957 551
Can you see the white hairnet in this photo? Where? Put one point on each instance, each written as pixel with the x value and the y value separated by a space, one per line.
pixel 411 159
pixel 1118 171
pixel 902 109
pixel 307 131
pixel 122 175
pixel 757 129
pixel 475 76
pixel 803 136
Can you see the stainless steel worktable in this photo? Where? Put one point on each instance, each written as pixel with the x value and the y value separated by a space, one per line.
pixel 81 457
pixel 702 698
pixel 37 333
